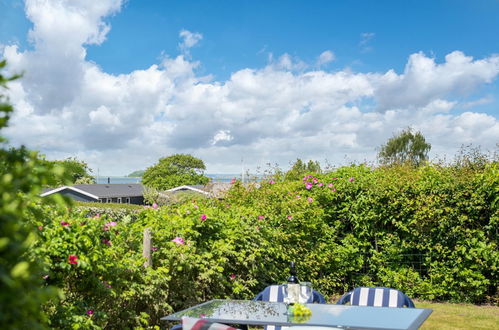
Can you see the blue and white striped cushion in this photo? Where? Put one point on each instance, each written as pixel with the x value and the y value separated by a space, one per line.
pixel 379 297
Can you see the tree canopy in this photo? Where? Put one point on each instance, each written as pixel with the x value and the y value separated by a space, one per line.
pixel 299 169
pixel 74 171
pixel 406 147
pixel 174 171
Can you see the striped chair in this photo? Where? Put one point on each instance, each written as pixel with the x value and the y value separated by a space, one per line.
pixel 275 293
pixel 376 296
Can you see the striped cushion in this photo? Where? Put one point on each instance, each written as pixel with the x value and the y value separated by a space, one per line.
pixel 190 323
pixel 379 297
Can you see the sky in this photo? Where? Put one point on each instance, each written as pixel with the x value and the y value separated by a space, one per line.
pixel 244 84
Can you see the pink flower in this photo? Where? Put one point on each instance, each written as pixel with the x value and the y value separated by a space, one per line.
pixel 45 277
pixel 97 215
pixel 310 199
pixel 154 249
pixel 109 224
pixel 178 240
pixel 90 312
pixel 330 185
pixel 233 181
pixel 232 276
pixel 72 259
pixel 290 217
pixel 308 185
pixel 298 197
pixel 351 179
pixel 64 223
pixel 334 189
pixel 154 206
pixel 315 180
pixel 106 241
pixel 40 227
pixel 335 178
pixel 261 217
pixel 203 217
pixel 271 181
pixel 195 206
pixel 320 184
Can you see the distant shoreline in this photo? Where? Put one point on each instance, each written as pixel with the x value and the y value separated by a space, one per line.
pixel 126 179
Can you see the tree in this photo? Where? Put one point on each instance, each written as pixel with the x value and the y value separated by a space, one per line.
pixel 73 170
pixel 406 147
pixel 22 174
pixel 299 169
pixel 174 171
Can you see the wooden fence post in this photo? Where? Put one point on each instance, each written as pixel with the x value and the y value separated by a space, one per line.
pixel 146 247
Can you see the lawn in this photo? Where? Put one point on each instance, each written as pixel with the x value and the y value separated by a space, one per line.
pixel 460 316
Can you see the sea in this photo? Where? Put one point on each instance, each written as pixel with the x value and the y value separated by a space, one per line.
pixel 125 179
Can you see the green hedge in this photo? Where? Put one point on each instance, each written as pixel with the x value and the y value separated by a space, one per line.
pixel 430 232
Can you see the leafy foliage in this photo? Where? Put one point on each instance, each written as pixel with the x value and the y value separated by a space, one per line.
pixel 75 171
pixel 299 169
pixel 175 170
pixel 406 147
pixel 21 176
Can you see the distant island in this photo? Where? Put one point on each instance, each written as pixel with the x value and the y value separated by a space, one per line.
pixel 136 174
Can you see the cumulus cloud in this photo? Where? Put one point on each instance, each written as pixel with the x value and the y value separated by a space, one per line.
pixel 68 106
pixel 424 81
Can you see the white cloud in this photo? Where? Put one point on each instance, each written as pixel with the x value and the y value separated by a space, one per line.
pixel 67 106
pixel 325 57
pixel 189 40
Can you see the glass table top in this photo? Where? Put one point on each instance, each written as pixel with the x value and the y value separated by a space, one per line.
pixel 275 313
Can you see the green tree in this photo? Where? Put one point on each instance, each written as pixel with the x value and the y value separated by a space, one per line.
pixel 174 171
pixel 299 169
pixel 75 170
pixel 406 147
pixel 22 175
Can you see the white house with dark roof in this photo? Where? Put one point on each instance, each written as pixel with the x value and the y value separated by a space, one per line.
pixel 129 193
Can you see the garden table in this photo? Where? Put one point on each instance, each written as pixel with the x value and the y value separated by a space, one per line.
pixel 258 313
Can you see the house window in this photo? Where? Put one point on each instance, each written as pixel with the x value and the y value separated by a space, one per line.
pixel 128 200
pixel 108 200
pixel 119 200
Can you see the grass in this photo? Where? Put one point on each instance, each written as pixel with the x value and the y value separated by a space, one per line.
pixel 460 316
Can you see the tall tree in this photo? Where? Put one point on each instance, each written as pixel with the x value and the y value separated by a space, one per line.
pixel 406 147
pixel 174 171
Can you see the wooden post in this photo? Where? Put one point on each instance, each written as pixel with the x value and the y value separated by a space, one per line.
pixel 146 247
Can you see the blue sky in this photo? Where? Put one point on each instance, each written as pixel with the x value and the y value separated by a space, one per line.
pixel 237 47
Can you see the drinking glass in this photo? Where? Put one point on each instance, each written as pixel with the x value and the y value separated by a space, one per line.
pixel 305 292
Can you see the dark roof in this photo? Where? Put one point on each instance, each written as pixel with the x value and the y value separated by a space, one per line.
pixel 104 189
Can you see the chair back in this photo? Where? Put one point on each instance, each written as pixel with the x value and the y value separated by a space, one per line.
pixel 377 297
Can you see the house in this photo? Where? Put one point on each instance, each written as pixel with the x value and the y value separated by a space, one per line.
pixel 129 193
